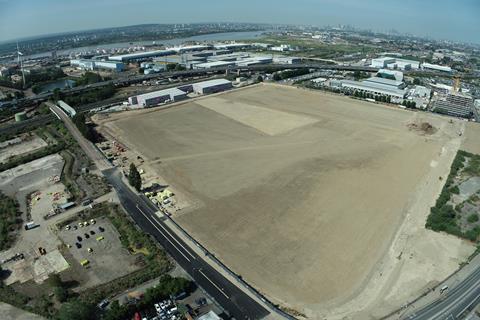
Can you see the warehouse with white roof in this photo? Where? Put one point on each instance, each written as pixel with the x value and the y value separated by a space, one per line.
pixel 157 97
pixel 141 56
pixel 212 86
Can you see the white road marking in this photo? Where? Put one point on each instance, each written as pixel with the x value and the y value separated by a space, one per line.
pixel 155 226
pixel 213 283
pixel 186 250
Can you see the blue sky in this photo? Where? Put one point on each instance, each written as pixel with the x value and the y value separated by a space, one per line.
pixel 444 19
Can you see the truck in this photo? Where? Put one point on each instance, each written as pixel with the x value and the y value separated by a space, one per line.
pixel 31 225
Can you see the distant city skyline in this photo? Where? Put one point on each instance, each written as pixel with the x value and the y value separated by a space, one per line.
pixel 441 19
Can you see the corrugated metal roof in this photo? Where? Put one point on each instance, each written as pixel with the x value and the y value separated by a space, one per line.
pixel 371 86
pixel 211 83
pixel 214 64
pixel 388 82
pixel 141 55
pixel 172 92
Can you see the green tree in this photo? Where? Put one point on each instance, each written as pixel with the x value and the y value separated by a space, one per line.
pixel 61 293
pixel 134 177
pixel 416 81
pixel 76 310
pixel 54 280
pixel 260 79
pixel 277 77
pixel 472 218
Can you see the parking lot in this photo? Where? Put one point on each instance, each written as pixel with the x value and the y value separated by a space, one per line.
pixel 107 258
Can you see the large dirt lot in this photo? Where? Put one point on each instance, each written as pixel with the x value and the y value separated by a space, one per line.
pixel 303 193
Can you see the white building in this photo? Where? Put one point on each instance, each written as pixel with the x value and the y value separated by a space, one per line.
pixel 396 94
pixel 214 64
pixel 436 67
pixel 212 86
pixel 287 60
pixel 395 63
pixel 382 62
pixel 154 98
pixel 231 46
pixel 87 64
pixel 385 73
pixel 282 48
pixel 386 82
pixel 141 56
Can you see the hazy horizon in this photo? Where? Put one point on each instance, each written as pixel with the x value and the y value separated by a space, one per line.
pixel 441 19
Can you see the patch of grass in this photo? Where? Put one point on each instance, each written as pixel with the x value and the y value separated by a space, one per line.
pixel 10 221
pixel 443 217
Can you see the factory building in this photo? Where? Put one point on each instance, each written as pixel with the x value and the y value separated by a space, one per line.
pixel 455 104
pixel 281 48
pixel 436 67
pixel 253 61
pixel 208 53
pixel 232 46
pixel 390 74
pixel 192 48
pixel 141 56
pixel 395 63
pixel 386 82
pixel 212 86
pixel 228 57
pixel 287 60
pixel 157 97
pixel 375 88
pixel 213 64
pixel 382 62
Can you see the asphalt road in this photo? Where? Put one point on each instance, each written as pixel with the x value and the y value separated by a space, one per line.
pixel 236 302
pixel 454 302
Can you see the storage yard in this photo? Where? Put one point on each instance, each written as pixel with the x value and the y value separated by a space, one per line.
pixel 269 169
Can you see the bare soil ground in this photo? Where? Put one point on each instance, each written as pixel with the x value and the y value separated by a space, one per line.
pixel 29 144
pixel 305 209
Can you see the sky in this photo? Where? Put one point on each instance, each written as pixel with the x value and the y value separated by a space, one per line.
pixel 457 20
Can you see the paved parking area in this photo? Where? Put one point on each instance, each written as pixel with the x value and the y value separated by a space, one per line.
pixel 108 259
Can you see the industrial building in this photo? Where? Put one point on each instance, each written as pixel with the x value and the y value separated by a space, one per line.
pixel 157 97
pixel 281 48
pixel 390 74
pixel 385 82
pixel 213 64
pixel 287 60
pixel 253 61
pixel 88 64
pixel 455 104
pixel 436 67
pixel 232 46
pixel 395 63
pixel 375 88
pixel 141 56
pixel 212 86
pixel 191 48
